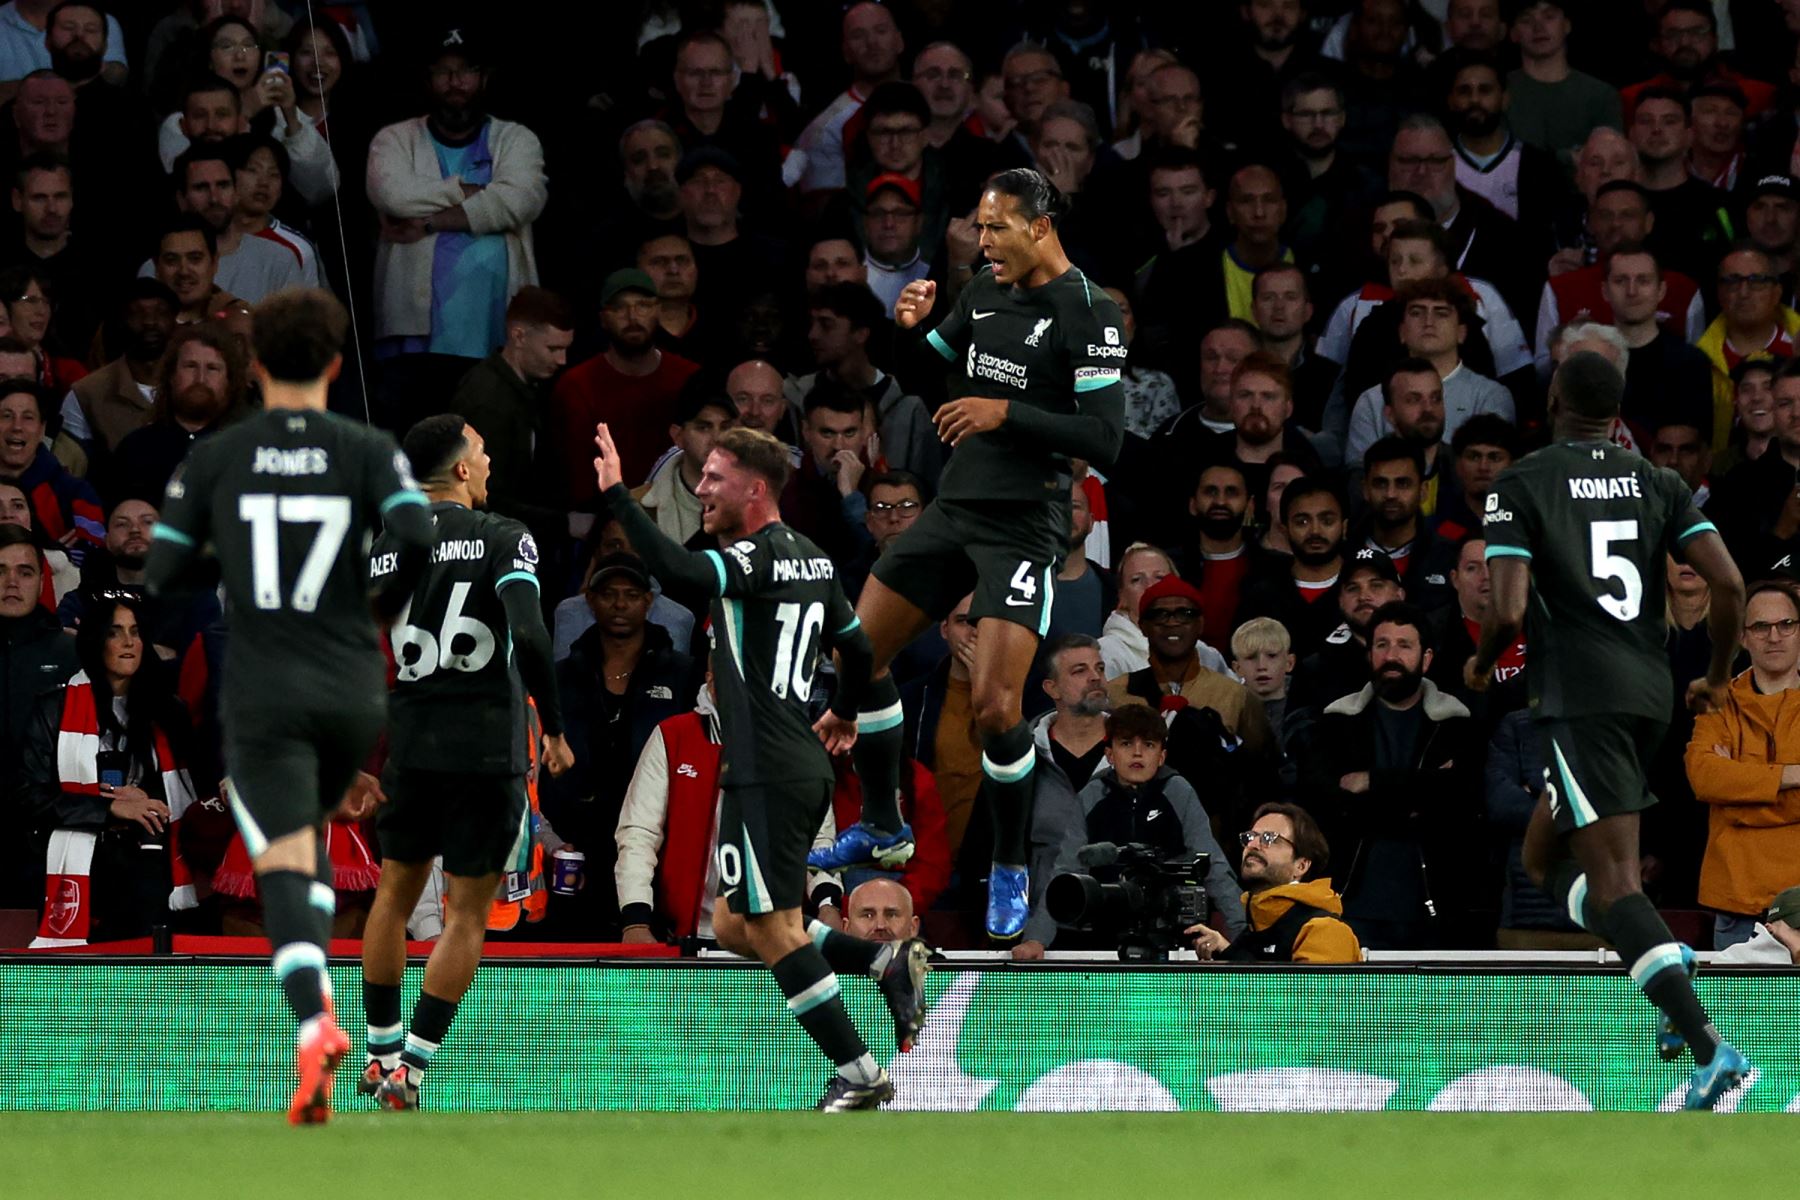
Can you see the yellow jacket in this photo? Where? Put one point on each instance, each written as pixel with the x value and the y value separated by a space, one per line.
pixel 1712 344
pixel 1753 836
pixel 1322 939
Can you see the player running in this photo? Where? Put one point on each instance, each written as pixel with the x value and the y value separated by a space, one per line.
pixel 777 604
pixel 286 498
pixel 1036 351
pixel 469 645
pixel 1576 533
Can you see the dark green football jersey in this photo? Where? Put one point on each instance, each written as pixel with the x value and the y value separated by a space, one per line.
pixel 1594 522
pixel 1059 348
pixel 289 501
pixel 781 607
pixel 458 703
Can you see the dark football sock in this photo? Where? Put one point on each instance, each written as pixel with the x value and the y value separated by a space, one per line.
pixel 381 1007
pixel 850 955
pixel 1007 760
pixel 1654 957
pixel 290 920
pixel 430 1022
pixel 879 747
pixel 805 978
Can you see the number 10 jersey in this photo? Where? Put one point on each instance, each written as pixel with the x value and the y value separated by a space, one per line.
pixel 1593 521
pixel 458 703
pixel 780 607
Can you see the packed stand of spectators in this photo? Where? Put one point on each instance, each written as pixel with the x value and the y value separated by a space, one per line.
pixel 1350 240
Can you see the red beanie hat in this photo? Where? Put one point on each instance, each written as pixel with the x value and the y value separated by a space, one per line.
pixel 1167 586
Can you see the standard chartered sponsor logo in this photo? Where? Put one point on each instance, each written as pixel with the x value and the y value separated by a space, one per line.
pixel 983 365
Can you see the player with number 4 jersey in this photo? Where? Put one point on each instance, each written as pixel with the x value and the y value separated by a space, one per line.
pixel 1035 351
pixel 1577 534
pixel 777 607
pixel 286 499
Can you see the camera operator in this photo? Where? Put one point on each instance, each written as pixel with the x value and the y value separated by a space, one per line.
pixel 1294 914
pixel 1134 798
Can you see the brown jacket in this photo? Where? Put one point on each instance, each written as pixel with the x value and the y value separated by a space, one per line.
pixel 1753 845
pixel 1322 939
pixel 112 403
pixel 1242 712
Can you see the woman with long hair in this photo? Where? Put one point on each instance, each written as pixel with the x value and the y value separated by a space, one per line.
pixel 104 770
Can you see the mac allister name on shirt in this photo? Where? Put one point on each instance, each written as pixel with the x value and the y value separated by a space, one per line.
pixel 788 570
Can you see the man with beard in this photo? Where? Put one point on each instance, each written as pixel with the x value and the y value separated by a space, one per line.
pixel 1291 912
pixel 872 47
pixel 1262 410
pixel 1520 180
pixel 1687 42
pixel 456 191
pixel 249 267
pixel 1435 319
pixel 733 262
pixel 106 405
pixel 1395 769
pixel 1689 213
pixel 1324 187
pixel 1084 592
pixel 1413 399
pixel 1484 241
pixel 1225 557
pixel 43 195
pixel 1301 592
pixel 1073 732
pixel 1341 664
pixel 1553 106
pixel 201 392
pixel 645 205
pixel 631 386
pixel 648 152
pixel 80 43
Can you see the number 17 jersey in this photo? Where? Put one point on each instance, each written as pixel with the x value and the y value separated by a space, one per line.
pixel 289 500
pixel 1594 522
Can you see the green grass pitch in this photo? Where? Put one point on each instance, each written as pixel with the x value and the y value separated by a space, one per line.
pixel 797 1156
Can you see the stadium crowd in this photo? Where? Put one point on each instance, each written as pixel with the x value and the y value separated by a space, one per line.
pixel 1350 239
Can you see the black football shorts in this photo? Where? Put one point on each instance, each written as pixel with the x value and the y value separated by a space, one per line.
pixel 477 822
pixel 290 767
pixel 1598 766
pixel 765 832
pixel 1005 551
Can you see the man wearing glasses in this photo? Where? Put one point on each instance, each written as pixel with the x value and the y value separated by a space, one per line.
pixel 1738 762
pixel 1293 914
pixel 1752 323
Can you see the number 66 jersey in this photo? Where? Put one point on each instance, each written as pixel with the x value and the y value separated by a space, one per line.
pixel 780 607
pixel 1594 522
pixel 458 703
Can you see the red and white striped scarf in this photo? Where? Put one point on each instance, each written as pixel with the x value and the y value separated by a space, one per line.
pixel 68 894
